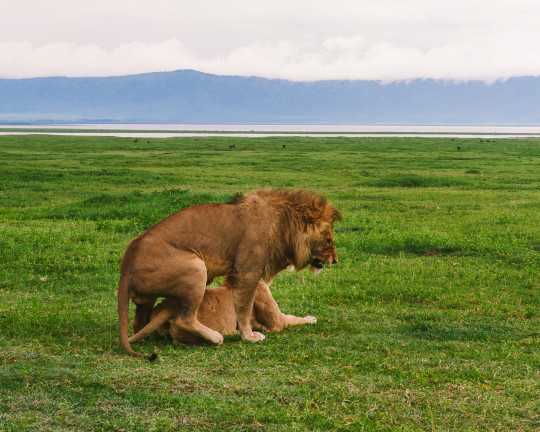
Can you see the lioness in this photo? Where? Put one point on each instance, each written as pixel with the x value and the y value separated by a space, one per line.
pixel 248 240
pixel 217 312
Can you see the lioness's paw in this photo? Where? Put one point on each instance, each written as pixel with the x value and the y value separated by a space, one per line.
pixel 217 339
pixel 214 337
pixel 255 337
pixel 310 320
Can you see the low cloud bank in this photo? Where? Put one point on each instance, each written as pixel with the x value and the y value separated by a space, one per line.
pixel 344 58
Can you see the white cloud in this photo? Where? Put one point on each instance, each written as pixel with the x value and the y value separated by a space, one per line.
pixel 345 43
pixel 23 60
pixel 300 40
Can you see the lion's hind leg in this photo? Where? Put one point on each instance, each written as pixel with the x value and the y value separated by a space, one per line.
pixel 190 286
pixel 187 320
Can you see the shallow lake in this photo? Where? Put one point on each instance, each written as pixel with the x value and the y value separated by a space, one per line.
pixel 247 130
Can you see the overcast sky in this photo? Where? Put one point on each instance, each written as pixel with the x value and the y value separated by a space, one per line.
pixel 291 39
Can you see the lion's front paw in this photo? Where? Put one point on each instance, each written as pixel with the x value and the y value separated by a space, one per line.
pixel 254 337
pixel 310 320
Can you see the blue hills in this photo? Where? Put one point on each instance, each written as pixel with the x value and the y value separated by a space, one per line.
pixel 188 96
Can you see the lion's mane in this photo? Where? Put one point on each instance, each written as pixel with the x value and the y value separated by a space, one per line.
pixel 293 210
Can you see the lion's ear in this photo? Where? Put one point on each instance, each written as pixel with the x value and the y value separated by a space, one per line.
pixel 310 215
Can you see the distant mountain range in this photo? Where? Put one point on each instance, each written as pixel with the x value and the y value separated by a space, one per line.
pixel 188 96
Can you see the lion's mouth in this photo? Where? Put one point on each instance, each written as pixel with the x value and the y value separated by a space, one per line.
pixel 316 266
pixel 317 263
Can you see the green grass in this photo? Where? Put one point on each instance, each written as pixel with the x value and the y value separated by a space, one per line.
pixel 430 321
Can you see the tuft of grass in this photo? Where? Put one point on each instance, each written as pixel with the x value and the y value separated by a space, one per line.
pixel 411 180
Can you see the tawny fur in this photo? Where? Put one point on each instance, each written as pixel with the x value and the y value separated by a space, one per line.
pixel 217 312
pixel 249 241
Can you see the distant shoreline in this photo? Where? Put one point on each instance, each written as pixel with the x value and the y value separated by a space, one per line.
pixel 269 130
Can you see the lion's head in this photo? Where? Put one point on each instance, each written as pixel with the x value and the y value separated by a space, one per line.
pixel 306 226
pixel 323 250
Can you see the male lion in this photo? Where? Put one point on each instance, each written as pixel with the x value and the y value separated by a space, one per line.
pixel 248 240
pixel 217 312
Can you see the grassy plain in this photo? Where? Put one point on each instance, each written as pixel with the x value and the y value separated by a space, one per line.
pixel 429 321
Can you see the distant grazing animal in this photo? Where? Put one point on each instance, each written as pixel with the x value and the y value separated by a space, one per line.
pixel 249 240
pixel 216 311
pixel 283 146
pixel 231 146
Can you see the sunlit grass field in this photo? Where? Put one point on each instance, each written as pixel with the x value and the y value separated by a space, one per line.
pixel 430 321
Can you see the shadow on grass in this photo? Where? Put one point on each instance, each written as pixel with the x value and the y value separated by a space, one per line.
pixel 407 180
pixel 385 240
pixel 460 332
pixel 128 212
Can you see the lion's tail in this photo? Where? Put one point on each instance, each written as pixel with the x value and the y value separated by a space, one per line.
pixel 123 318
pixel 155 323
